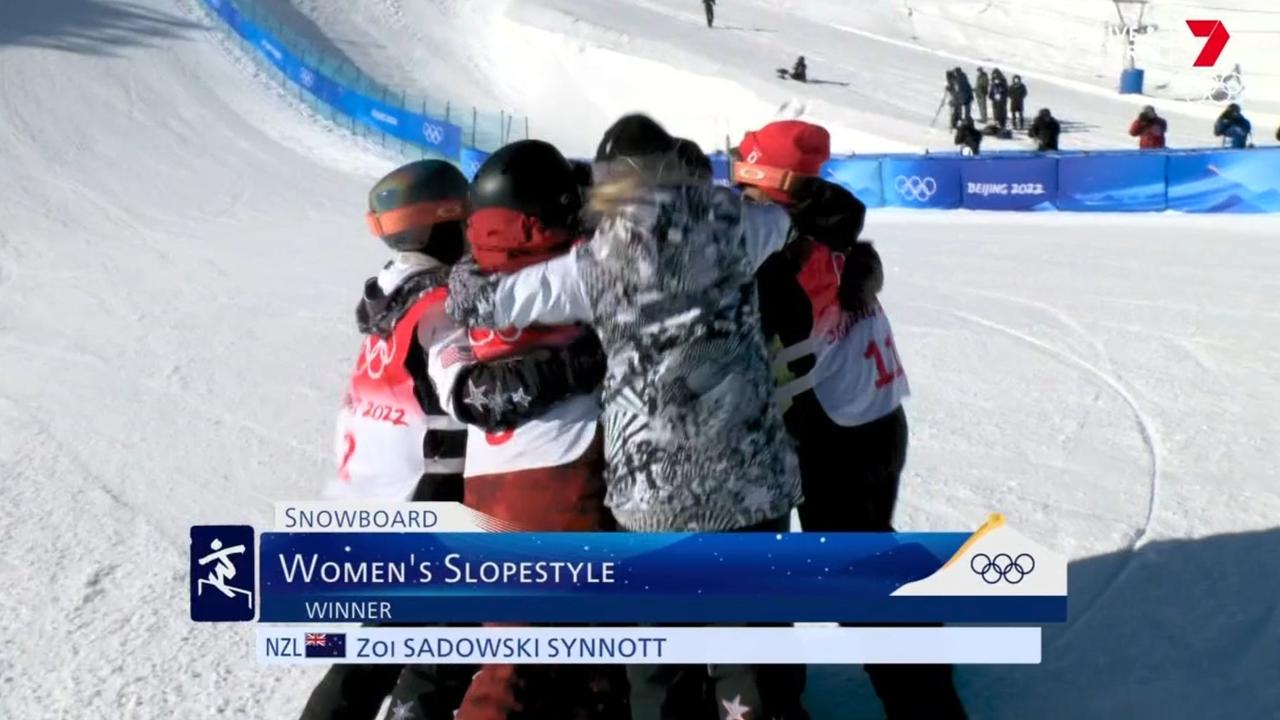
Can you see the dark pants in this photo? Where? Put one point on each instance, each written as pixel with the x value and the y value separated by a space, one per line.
pixel 711 13
pixel 1019 121
pixel 850 477
pixel 982 109
pixel 700 692
pixel 1001 111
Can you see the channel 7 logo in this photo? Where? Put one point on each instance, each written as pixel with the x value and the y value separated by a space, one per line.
pixel 223 573
pixel 1216 37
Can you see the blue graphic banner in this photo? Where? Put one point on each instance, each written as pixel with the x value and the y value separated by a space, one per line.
pixel 472 159
pixel 1112 182
pixel 1232 181
pixel 859 175
pixel 432 133
pixel 1014 183
pixel 927 182
pixel 651 578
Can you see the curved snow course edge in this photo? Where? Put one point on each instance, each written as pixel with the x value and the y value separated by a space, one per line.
pixel 371 108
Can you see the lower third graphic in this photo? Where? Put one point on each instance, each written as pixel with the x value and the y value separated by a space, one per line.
pixel 222 573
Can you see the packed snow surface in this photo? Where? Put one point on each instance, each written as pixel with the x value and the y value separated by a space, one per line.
pixel 181 246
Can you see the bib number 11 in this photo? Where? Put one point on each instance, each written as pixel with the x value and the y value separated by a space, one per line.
pixel 885 375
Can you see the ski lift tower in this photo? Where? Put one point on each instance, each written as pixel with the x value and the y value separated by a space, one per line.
pixel 1132 16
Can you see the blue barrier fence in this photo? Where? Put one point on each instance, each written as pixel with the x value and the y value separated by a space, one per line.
pixel 332 85
pixel 1201 181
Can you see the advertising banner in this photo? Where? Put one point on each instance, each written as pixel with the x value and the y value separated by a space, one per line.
pixel 920 182
pixel 1234 181
pixel 1112 182
pixel 858 175
pixel 1015 183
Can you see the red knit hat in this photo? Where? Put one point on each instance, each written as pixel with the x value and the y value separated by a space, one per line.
pixel 772 157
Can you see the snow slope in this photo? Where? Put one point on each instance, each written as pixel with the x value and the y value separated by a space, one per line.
pixel 180 246
pixel 880 68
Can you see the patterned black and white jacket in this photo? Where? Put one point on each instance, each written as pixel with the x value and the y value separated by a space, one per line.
pixel 694 437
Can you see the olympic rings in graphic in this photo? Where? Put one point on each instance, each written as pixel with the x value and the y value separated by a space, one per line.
pixel 306 77
pixel 915 187
pixel 375 356
pixel 433 133
pixel 1002 567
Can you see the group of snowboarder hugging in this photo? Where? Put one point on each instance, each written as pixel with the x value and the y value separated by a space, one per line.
pixel 625 346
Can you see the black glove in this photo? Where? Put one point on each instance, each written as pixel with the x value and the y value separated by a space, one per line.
pixel 827 213
pixel 501 394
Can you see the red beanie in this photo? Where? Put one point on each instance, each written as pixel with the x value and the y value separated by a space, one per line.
pixel 793 147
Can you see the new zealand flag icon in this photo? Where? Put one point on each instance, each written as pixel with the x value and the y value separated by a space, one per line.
pixel 223 573
pixel 326 645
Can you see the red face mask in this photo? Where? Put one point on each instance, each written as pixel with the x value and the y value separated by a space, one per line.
pixel 506 240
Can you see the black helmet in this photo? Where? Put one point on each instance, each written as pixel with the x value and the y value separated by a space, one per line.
pixel 533 178
pixel 693 159
pixel 419 207
pixel 634 136
pixel 582 171
pixel 1233 108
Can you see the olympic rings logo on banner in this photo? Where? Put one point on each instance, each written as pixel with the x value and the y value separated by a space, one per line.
pixel 433 133
pixel 915 187
pixel 306 77
pixel 1002 567
pixel 375 356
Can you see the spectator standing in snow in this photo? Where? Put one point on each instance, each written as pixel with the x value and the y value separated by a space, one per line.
pixel 1017 100
pixel 982 86
pixel 710 7
pixel 999 95
pixel 1149 128
pixel 953 99
pixel 800 71
pixel 1233 127
pixel 965 93
pixel 1045 130
pixel 968 137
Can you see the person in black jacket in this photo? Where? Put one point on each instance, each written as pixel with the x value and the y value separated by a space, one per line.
pixel 710 7
pixel 1045 130
pixel 999 98
pixel 819 312
pixel 968 137
pixel 1017 100
pixel 800 71
pixel 964 93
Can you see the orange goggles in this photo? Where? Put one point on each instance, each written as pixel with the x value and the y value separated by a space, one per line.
pixel 415 217
pixel 763 176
